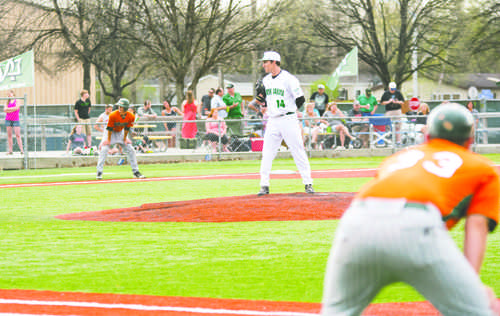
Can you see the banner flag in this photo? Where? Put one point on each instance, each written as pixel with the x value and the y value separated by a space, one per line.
pixel 348 67
pixel 17 72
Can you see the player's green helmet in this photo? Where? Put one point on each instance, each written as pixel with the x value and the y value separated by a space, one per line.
pixel 452 122
pixel 123 103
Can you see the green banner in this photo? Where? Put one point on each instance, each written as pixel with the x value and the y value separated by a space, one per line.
pixel 348 67
pixel 17 72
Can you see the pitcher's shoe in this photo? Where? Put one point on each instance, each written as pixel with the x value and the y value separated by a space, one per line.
pixel 99 175
pixel 263 191
pixel 309 188
pixel 138 175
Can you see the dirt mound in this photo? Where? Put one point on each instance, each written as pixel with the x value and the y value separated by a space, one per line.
pixel 273 207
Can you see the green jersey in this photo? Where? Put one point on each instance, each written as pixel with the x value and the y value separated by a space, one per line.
pixel 364 100
pixel 234 113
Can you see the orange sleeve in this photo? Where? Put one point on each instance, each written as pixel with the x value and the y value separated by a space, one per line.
pixel 485 200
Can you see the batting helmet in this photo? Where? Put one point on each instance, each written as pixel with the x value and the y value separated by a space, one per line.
pixel 452 122
pixel 124 103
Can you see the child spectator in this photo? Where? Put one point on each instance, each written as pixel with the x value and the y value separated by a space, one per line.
pixel 76 141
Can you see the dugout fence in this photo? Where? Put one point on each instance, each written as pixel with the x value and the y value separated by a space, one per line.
pixel 46 134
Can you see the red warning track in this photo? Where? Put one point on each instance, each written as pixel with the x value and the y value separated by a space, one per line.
pixel 27 302
pixel 338 173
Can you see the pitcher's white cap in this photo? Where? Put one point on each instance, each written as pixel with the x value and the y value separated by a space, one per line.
pixel 270 55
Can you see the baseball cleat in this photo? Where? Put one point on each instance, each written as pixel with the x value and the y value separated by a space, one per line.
pixel 263 191
pixel 99 175
pixel 309 188
pixel 139 175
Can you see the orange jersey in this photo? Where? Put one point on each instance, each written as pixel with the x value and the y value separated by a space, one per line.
pixel 117 122
pixel 456 180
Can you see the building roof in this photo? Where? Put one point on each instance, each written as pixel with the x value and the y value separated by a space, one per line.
pixel 478 80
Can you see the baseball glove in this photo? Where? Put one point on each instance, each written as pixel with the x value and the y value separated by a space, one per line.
pixel 260 91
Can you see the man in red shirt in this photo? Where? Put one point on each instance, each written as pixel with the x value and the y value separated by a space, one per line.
pixel 119 124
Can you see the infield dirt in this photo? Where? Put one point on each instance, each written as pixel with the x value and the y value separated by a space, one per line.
pixel 273 207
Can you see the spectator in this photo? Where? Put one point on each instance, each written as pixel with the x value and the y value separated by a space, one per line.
pixel 392 99
pixel 218 104
pixel 368 103
pixel 475 113
pixel 103 118
pixel 423 111
pixel 477 122
pixel 146 111
pixel 310 123
pixel 101 122
pixel 356 125
pixel 189 109
pixel 334 118
pixel 233 102
pixel 76 141
pixel 216 128
pixel 170 128
pixel 206 103
pixel 11 110
pixel 320 99
pixel 82 114
pixel 421 122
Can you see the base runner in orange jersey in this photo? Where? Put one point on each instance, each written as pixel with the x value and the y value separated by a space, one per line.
pixel 119 124
pixel 396 228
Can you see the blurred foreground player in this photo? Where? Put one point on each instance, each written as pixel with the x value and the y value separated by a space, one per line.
pixel 395 229
pixel 119 124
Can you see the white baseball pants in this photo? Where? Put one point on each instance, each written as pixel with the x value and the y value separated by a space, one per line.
pixel 117 138
pixel 383 241
pixel 278 129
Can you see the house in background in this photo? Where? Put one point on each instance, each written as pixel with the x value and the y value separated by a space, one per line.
pixel 450 87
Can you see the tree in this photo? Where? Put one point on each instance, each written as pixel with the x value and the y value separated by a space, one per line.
pixel 119 54
pixel 387 33
pixel 486 39
pixel 188 38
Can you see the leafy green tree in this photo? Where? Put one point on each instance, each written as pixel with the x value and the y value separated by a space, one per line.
pixel 388 32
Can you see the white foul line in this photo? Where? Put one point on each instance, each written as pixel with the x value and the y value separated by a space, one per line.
pixel 198 310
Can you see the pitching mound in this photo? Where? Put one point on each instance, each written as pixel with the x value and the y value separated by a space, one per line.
pixel 273 207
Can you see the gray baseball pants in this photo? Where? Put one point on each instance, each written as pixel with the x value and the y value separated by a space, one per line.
pixel 383 241
pixel 117 138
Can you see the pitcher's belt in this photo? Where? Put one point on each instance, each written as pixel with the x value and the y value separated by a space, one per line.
pixel 281 115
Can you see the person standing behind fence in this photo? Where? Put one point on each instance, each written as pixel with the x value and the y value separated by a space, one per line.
pixel 233 101
pixel 320 99
pixel 119 124
pixel 368 103
pixel 82 114
pixel 218 104
pixel 392 99
pixel 170 127
pixel 189 108
pixel 206 103
pixel 11 110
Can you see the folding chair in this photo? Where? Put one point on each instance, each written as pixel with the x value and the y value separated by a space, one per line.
pixel 380 131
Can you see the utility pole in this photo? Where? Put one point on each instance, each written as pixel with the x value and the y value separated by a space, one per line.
pixel 254 53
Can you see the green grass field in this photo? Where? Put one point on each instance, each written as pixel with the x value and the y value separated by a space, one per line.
pixel 281 261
